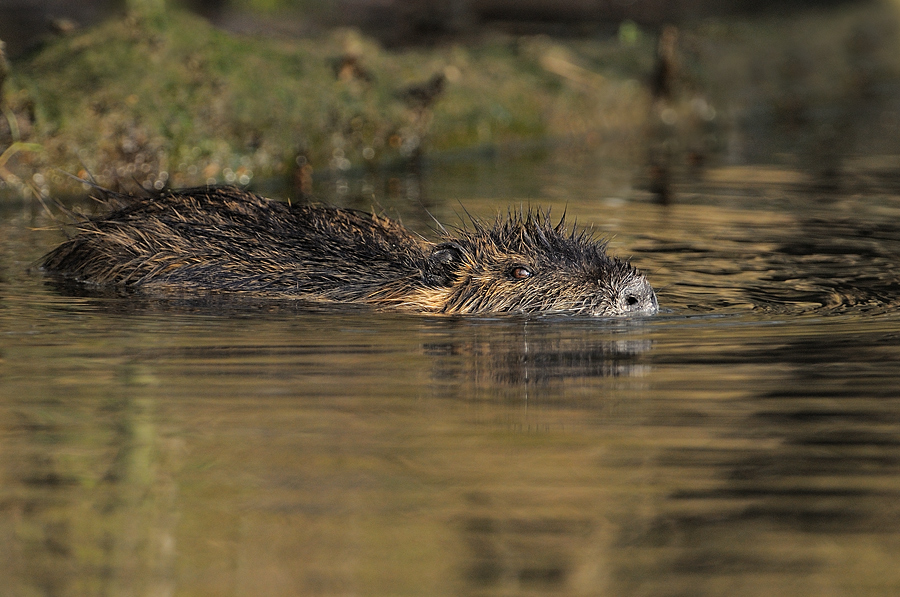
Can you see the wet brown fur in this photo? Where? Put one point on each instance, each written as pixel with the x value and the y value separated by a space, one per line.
pixel 223 239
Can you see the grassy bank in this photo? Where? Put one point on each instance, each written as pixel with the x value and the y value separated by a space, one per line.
pixel 174 101
pixel 169 100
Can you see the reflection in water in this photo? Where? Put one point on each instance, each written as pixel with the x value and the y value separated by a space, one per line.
pixel 89 505
pixel 536 353
pixel 743 442
pixel 351 466
pixel 807 92
pixel 809 455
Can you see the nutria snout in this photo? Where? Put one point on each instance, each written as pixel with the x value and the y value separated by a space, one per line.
pixel 223 239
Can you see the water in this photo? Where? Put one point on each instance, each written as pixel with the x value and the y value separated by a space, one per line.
pixel 742 442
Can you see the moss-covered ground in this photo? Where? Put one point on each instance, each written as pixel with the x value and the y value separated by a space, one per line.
pixel 179 102
pixel 173 101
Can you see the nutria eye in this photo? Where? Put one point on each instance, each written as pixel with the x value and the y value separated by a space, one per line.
pixel 520 273
pixel 631 300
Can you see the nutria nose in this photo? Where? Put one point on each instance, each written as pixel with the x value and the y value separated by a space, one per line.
pixel 640 300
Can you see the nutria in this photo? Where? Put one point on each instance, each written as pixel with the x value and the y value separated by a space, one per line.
pixel 223 239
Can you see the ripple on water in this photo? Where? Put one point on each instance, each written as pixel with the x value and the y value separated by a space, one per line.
pixel 711 259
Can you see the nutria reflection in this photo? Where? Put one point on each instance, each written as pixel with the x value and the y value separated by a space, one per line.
pixel 223 239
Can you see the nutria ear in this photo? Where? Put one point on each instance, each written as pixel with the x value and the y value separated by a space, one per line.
pixel 446 253
pixel 443 261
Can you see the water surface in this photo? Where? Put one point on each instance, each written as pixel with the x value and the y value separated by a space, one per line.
pixel 742 442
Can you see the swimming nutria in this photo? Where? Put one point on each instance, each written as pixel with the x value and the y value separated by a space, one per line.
pixel 225 239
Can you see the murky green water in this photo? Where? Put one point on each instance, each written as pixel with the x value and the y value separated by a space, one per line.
pixel 745 441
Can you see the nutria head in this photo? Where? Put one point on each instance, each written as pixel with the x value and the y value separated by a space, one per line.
pixel 526 263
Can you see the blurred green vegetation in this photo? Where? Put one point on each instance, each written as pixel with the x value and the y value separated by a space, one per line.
pixel 278 5
pixel 175 101
pixel 160 97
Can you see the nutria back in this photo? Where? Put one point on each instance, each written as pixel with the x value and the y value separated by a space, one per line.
pixel 223 239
